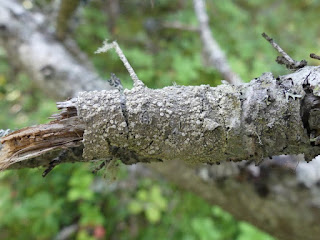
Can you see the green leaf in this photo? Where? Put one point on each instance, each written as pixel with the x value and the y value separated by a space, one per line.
pixel 142 195
pixel 135 207
pixel 153 214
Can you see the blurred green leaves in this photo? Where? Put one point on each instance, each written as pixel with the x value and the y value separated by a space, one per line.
pixel 150 201
pixel 80 183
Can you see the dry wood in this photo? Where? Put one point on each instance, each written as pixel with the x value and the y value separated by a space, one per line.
pixel 31 142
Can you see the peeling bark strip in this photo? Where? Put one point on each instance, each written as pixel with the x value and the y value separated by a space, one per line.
pixel 32 142
pixel 265 117
pixel 66 132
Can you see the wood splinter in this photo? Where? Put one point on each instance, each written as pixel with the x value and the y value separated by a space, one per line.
pixel 64 132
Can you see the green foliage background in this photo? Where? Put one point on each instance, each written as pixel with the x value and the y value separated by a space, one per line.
pixel 35 208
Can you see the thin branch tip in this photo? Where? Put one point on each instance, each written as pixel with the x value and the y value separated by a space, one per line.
pixel 314 56
pixel 107 46
pixel 285 59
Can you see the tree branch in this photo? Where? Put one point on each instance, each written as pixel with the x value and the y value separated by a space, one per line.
pixel 279 212
pixel 25 37
pixel 199 124
pixel 271 196
pixel 217 57
pixel 285 58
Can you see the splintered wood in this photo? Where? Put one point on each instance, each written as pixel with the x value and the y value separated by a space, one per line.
pixel 34 141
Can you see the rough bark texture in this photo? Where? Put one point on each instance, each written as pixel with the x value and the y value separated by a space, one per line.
pixel 203 124
pixel 281 199
pixel 200 124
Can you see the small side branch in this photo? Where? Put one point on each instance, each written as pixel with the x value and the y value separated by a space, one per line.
pixel 215 54
pixel 285 59
pixel 107 46
pixel 314 56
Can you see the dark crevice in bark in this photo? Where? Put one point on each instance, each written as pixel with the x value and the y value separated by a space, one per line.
pixel 310 104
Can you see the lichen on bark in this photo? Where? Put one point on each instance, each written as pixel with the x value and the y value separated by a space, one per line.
pixel 200 123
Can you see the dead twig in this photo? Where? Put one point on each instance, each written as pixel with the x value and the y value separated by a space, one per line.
pixel 211 48
pixel 285 59
pixel 107 46
pixel 314 56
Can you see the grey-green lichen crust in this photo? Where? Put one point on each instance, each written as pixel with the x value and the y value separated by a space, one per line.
pixel 199 123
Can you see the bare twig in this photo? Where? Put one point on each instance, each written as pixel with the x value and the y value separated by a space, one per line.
pixel 285 58
pixel 107 46
pixel 315 56
pixel 217 57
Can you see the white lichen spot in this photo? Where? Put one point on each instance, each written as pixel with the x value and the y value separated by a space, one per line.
pixel 293 96
pixel 195 134
pixel 123 124
pixel 210 125
pixel 152 152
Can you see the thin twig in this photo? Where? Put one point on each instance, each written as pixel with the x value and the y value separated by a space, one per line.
pixel 315 56
pixel 285 58
pixel 101 165
pixel 215 54
pixel 107 46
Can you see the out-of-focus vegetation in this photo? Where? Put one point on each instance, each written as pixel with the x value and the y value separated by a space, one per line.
pixel 35 208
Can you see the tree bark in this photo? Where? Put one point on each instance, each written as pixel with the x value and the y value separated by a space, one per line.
pixel 281 199
pixel 33 46
pixel 200 124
